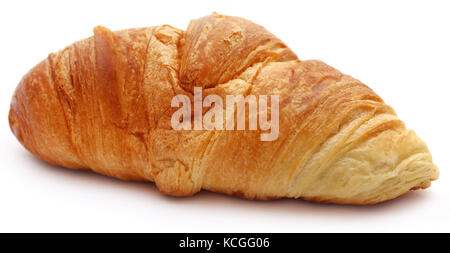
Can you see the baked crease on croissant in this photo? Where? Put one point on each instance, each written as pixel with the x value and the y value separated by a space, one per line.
pixel 104 104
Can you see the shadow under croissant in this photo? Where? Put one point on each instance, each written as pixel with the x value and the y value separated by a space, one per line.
pixel 211 200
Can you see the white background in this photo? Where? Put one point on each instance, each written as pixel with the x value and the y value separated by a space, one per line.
pixel 400 49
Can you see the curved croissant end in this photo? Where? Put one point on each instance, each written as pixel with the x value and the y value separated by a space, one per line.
pixel 104 103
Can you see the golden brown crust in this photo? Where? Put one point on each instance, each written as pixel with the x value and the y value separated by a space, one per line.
pixel 103 104
pixel 218 48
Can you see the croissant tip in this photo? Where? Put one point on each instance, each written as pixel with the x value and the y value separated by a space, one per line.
pixel 13 123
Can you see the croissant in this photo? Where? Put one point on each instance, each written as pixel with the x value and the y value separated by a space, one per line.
pixel 105 104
